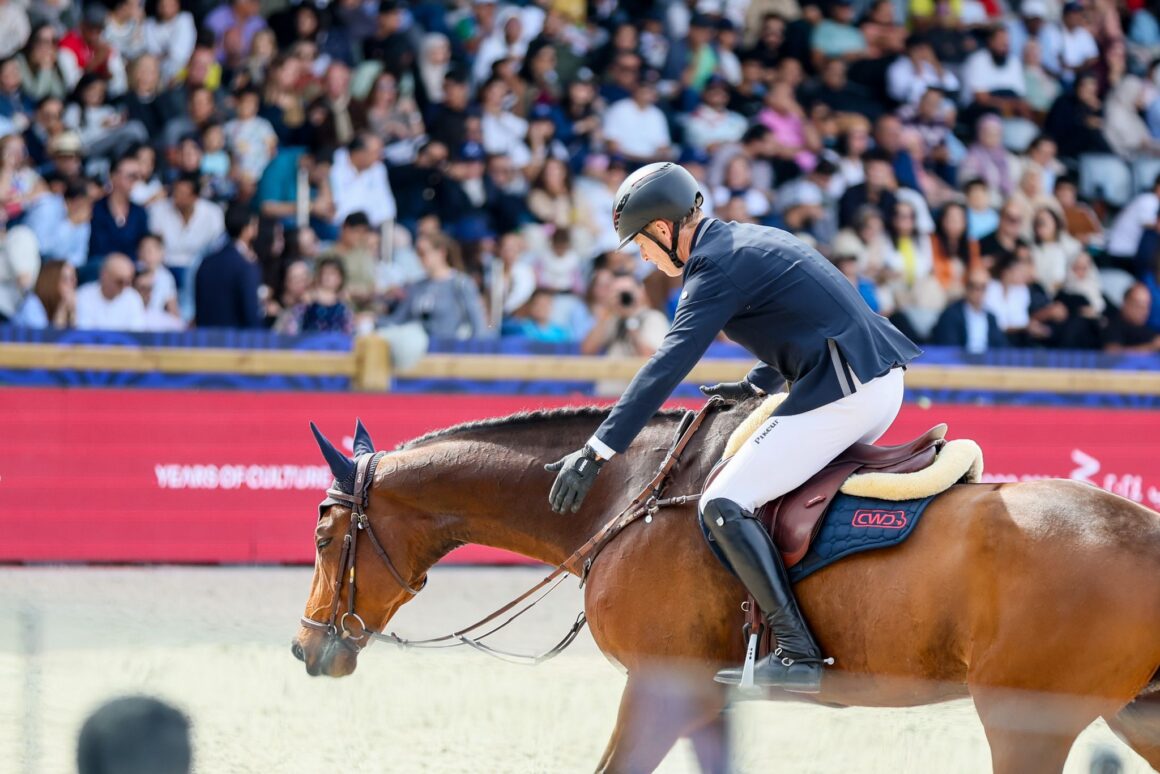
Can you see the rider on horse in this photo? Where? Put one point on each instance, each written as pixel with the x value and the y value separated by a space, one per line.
pixel 785 303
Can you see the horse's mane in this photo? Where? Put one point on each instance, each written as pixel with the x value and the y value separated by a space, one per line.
pixel 521 419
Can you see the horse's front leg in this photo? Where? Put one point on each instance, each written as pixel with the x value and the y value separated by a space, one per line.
pixel 657 708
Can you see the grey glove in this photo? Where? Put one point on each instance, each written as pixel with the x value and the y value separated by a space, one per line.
pixel 576 474
pixel 741 390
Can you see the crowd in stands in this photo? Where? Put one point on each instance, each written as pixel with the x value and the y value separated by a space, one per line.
pixel 987 175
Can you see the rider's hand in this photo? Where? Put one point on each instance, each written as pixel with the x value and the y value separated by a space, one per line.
pixel 576 474
pixel 735 391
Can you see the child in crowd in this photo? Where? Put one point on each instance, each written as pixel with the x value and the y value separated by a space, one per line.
pixel 163 286
pixel 558 268
pixel 323 310
pixel 250 138
pixel 982 218
pixel 215 163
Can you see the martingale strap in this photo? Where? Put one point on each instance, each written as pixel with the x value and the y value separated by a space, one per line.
pixel 645 504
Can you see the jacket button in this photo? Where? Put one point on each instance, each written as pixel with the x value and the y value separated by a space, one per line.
pixel 748 307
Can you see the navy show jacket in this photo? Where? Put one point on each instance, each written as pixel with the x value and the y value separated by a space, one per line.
pixel 778 298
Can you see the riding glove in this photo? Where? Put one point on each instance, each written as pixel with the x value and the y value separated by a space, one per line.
pixel 577 472
pixel 732 390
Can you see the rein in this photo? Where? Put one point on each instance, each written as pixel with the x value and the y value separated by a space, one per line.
pixel 645 504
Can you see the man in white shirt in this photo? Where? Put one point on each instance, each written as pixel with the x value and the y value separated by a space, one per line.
pixel 188 224
pixel 636 128
pixel 992 78
pixel 62 223
pixel 111 303
pixel 1068 49
pixel 918 70
pixel 1128 227
pixel 712 124
pixel 359 182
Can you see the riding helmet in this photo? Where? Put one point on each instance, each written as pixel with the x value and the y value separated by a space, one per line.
pixel 660 191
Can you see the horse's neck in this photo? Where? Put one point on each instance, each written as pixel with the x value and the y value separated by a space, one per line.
pixel 471 491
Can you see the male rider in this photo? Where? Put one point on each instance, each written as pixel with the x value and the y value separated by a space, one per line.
pixel 807 325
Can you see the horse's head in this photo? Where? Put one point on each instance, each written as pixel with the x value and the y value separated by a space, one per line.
pixel 362 575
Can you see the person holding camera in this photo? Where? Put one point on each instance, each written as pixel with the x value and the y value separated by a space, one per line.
pixel 624 324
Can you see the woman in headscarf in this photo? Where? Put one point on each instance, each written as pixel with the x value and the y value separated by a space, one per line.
pixel 434 62
pixel 987 159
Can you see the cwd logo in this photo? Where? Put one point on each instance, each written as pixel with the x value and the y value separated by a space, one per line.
pixel 880 519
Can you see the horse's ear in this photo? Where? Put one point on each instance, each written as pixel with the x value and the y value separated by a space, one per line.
pixel 340 465
pixel 362 439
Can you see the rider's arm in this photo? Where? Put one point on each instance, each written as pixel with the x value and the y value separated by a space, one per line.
pixel 766 378
pixel 708 301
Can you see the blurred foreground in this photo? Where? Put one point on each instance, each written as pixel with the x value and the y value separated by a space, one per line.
pixel 215 642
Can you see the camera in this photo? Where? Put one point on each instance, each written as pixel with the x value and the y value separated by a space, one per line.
pixel 627 298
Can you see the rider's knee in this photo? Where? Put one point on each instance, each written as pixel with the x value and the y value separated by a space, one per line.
pixel 719 511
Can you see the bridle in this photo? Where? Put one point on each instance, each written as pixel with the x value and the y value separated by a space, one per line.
pixel 337 628
pixel 646 505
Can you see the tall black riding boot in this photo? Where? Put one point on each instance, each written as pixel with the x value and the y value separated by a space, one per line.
pixel 796 664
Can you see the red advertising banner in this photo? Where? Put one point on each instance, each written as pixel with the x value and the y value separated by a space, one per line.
pixel 227 477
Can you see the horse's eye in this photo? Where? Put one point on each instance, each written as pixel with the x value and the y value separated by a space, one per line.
pixel 324 543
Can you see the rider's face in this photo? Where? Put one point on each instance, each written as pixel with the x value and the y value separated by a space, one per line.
pixel 652 252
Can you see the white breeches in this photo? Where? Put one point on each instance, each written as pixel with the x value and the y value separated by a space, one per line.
pixel 787 450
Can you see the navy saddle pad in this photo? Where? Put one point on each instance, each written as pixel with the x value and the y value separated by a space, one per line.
pixel 851 525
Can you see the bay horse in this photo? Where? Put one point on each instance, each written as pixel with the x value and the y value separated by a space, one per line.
pixel 1040 600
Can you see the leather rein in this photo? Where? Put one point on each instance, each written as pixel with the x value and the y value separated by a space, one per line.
pixel 645 504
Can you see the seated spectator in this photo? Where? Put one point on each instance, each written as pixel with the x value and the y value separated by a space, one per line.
pixel 295 285
pixel 104 131
pixel 464 202
pixel 580 118
pixel 163 286
pixel 506 195
pixel 738 183
pixel 806 206
pixel 187 224
pixel 358 181
pixel 446 120
pixel 1076 119
pixel 226 282
pixel 692 61
pixel 877 190
pixel 953 252
pixel 1125 129
pixel 503 130
pixel 852 145
pixel 537 324
pixel 241 15
pixel 393 117
pixel 840 95
pixel 1082 222
pixel 324 309
pixel 756 146
pixel 836 37
pixel 1129 225
pixel 711 124
pixel 200 111
pixel 62 223
pixel 993 80
pixel 170 34
pixel 911 266
pixel 624 326
pixel 208 158
pixel 1040 88
pixel 1052 249
pixel 65 160
pixel 635 127
pixel 159 319
pixel 988 160
pixel 784 117
pixel 53 300
pixel 884 37
pixel 46 124
pixel 111 303
pixel 278 195
pixel 147 101
pixel 999 245
pixel 40 75
pixel 1069 48
pixel 848 265
pixel 1008 296
pixel 83 51
pixel 355 251
pixel 19 266
pixel 250 138
pixel 446 304
pixel 335 118
pixel 20 185
pixel 918 71
pixel 149 188
pixel 550 198
pixel 511 279
pixel 967 323
pixel 283 104
pixel 558 268
pixel 1128 331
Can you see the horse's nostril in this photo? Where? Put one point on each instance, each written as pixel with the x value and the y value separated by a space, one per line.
pixel 296 649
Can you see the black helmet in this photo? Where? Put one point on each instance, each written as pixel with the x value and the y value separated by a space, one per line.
pixel 660 191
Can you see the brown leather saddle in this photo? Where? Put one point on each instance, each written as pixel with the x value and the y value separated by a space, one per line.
pixel 794 518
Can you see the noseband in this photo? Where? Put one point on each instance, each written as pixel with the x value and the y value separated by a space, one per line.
pixel 336 627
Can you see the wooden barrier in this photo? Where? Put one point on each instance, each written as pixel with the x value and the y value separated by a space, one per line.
pixel 368 367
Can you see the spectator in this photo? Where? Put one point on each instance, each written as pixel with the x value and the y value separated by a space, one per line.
pixel 559 268
pixel 624 326
pixel 1076 120
pixel 62 223
pixel 446 303
pixel 19 266
pixel 836 37
pixel 20 185
pixel 447 120
pixel 125 28
pixel 953 252
pixel 149 189
pixel 1128 226
pixel 187 224
pixel 385 39
pixel 580 118
pixel 53 300
pixel 550 198
pixel 147 101
pixel 295 189
pixel 756 146
pixel 226 281
pixel 244 16
pixel 1008 296
pixel 1081 291
pixel 354 250
pixel 14 28
pixel 323 310
pixel 250 139
pixel 170 34
pixel 135 735
pixel 433 66
pixel 967 323
pixel 511 279
pixel 848 265
pixel 998 246
pixel 503 131
pixel 692 60
pixel 877 190
pixel 918 71
pixel 1082 222
pixel 911 267
pixel 1052 249
pixel 103 130
pixel 988 160
pixel 282 102
pixel 993 80
pixel 1040 88
pixel 295 286
pixel 392 117
pixel 65 160
pixel 16 107
pixel 712 124
pixel 784 117
pixel 418 185
pixel 84 52
pixel 46 125
pixel 159 320
pixel 1129 331
pixel 537 324
pixel 884 38
pixel 358 181
pixel 636 128
pixel 336 118
pixel 738 183
pixel 111 303
pixel 200 111
pixel 1070 48
pixel 163 285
